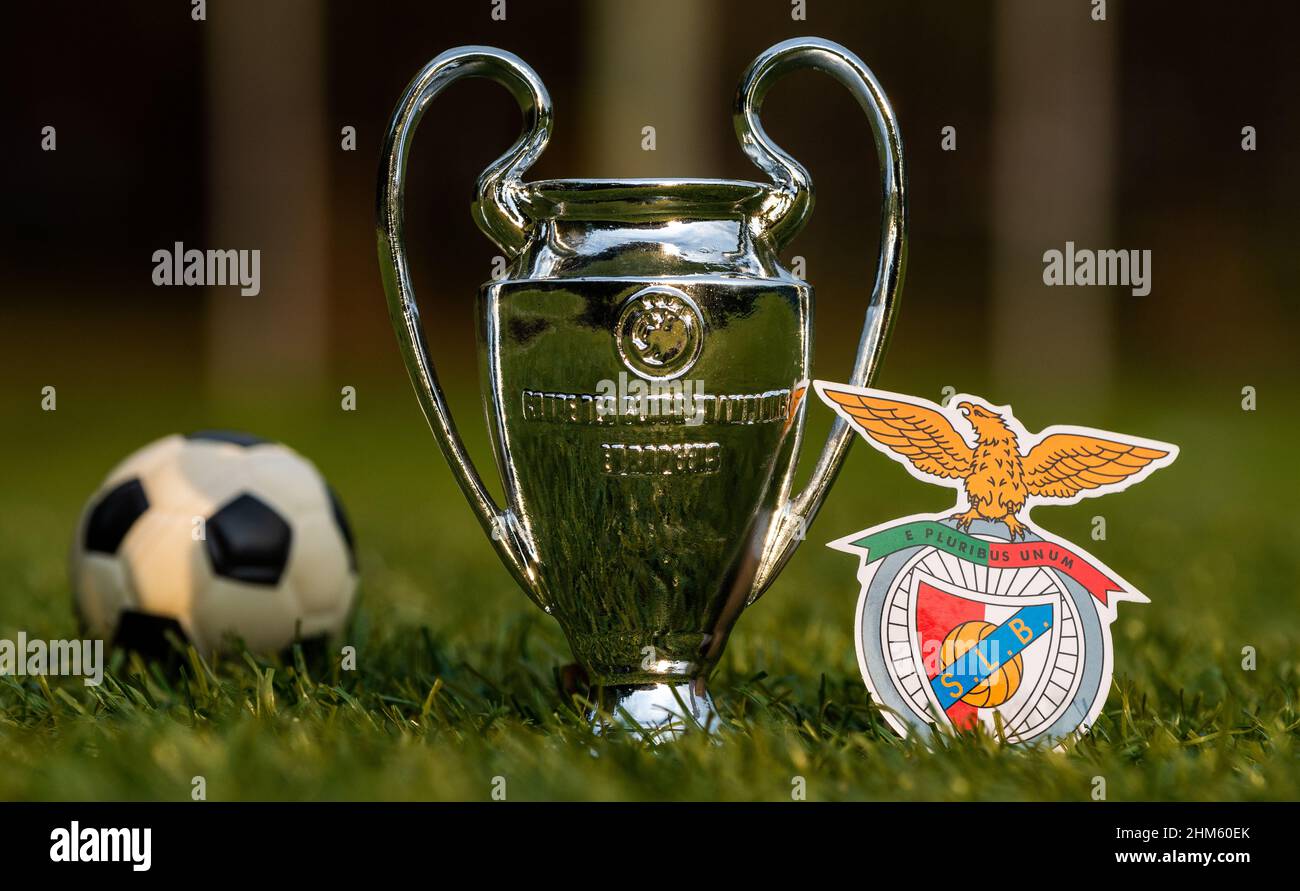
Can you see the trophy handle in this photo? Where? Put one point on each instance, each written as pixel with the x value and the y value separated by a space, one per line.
pixel 783 216
pixel 498 213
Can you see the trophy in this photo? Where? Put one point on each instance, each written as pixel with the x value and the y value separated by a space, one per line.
pixel 644 360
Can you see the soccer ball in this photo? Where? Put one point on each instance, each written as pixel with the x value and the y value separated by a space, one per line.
pixel 213 536
pixel 999 686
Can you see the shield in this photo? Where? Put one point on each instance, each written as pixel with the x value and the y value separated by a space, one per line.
pixel 972 680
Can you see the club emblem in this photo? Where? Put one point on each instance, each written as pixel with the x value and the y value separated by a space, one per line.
pixel 976 616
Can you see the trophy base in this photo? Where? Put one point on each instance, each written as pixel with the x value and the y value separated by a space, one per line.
pixel 657 712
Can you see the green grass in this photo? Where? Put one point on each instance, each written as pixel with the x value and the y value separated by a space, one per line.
pixel 457 675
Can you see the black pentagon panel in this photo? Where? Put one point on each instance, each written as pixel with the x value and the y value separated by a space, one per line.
pixel 114 516
pixel 316 649
pixel 146 634
pixel 248 541
pixel 341 518
pixel 234 437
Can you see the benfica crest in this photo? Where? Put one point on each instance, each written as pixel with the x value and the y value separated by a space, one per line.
pixel 977 616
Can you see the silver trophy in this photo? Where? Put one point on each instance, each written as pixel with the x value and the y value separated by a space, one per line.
pixel 643 361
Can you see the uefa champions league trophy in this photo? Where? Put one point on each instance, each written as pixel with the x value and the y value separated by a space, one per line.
pixel 644 360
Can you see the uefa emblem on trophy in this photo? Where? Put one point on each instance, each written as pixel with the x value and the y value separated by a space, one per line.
pixel 644 361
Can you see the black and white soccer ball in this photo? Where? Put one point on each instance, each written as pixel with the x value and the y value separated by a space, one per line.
pixel 215 536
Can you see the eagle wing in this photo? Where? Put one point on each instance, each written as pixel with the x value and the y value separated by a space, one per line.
pixel 1064 464
pixel 921 435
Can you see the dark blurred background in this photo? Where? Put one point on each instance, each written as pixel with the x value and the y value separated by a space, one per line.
pixel 226 133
